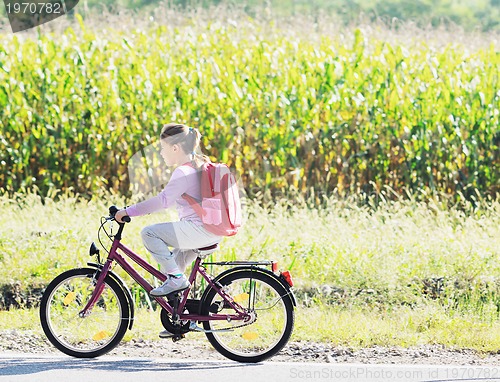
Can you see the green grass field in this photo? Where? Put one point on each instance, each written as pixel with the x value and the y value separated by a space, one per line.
pixel 399 273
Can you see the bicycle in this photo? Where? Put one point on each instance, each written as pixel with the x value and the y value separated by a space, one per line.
pixel 247 311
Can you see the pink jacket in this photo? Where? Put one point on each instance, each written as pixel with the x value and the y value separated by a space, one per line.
pixel 185 179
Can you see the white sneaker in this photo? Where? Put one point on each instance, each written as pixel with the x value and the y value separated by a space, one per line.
pixel 173 284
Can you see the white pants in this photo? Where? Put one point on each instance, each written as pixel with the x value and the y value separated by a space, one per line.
pixel 183 236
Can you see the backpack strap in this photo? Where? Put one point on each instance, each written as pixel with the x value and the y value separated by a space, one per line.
pixel 223 194
pixel 216 186
pixel 195 204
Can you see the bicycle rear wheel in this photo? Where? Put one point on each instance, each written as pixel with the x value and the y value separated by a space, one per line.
pixel 83 337
pixel 271 310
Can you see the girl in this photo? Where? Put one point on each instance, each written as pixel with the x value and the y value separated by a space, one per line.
pixel 179 144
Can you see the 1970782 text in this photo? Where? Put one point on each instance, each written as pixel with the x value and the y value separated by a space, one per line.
pixel 34 8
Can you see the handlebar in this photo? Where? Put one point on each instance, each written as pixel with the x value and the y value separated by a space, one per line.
pixel 112 212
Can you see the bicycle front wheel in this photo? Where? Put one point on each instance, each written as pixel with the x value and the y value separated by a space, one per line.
pixel 83 337
pixel 271 311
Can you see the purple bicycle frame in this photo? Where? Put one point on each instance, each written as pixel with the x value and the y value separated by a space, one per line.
pixel 197 268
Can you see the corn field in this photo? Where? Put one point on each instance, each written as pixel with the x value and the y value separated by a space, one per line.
pixel 288 113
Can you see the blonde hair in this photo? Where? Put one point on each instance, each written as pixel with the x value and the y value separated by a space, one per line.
pixel 187 138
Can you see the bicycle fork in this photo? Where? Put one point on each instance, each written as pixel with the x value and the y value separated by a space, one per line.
pixel 99 286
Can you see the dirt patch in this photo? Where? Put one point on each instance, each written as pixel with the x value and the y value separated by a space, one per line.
pixel 29 342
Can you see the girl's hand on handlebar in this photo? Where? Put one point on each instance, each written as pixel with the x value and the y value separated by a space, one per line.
pixel 120 215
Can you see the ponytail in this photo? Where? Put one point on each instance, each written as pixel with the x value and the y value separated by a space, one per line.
pixel 199 159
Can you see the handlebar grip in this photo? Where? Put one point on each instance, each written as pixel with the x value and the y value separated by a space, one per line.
pixel 112 212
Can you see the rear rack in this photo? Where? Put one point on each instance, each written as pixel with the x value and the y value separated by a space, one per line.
pixel 266 262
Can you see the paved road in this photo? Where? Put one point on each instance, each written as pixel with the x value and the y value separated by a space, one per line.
pixel 34 368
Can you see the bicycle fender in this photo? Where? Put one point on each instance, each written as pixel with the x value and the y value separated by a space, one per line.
pixel 125 288
pixel 261 270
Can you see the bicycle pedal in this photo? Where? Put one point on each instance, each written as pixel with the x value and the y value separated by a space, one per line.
pixel 177 338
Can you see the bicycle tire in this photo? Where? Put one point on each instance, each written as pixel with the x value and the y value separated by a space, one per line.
pixel 60 321
pixel 229 344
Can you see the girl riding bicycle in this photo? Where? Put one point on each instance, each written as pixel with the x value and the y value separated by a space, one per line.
pixel 247 311
pixel 179 144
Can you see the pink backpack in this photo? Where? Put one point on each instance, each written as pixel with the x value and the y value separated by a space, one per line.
pixel 220 207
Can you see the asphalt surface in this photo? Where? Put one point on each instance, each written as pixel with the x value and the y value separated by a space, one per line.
pixel 50 368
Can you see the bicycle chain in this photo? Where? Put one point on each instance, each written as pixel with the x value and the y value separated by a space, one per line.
pixel 239 326
pixel 230 327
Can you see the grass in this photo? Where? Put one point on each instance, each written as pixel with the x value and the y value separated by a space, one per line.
pixel 354 328
pixel 392 272
pixel 358 328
